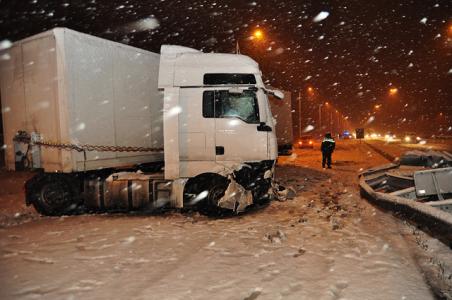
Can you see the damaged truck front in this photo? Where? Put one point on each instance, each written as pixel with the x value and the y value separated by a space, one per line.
pixel 115 128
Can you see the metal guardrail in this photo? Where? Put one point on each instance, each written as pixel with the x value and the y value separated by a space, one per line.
pixel 386 155
pixel 438 222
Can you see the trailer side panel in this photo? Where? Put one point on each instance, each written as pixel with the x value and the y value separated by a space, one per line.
pixel 113 100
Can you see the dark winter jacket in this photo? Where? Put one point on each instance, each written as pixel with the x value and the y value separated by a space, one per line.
pixel 328 145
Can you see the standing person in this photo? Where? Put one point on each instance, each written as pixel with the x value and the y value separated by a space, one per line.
pixel 327 148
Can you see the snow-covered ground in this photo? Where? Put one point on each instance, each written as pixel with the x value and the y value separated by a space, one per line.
pixel 327 243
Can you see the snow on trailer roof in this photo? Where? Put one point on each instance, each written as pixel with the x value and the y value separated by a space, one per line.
pixel 60 31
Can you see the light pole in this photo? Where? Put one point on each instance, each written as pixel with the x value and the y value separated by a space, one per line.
pixel 327 105
pixel 299 114
pixel 338 125
pixel 320 116
pixel 331 121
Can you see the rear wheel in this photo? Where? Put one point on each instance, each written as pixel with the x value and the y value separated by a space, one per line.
pixel 53 195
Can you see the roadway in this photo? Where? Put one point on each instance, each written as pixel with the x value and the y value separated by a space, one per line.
pixel 327 243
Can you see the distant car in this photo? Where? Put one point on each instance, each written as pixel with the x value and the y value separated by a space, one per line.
pixel 409 138
pixel 390 137
pixel 412 138
pixel 305 141
pixel 346 135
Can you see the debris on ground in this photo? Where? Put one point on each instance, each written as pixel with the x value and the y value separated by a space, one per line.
pixel 335 224
pixel 430 158
pixel 282 193
pixel 300 252
pixel 276 237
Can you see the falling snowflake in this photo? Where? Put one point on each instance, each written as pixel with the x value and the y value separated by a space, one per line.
pixel 321 16
pixel 5 44
pixel 145 24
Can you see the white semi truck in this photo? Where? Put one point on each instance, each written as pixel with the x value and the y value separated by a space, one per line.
pixel 112 127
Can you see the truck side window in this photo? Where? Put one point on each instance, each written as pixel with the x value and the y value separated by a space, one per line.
pixel 222 104
pixel 243 106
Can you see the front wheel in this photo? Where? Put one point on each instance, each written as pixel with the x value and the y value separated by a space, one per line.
pixel 203 193
pixel 52 195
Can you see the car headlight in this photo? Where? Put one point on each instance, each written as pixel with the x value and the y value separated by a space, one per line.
pixel 407 139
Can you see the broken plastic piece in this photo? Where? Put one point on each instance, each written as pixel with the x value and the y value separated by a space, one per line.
pixel 282 193
pixel 236 198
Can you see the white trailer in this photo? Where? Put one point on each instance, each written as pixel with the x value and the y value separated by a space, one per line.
pixel 94 116
pixel 74 88
pixel 282 112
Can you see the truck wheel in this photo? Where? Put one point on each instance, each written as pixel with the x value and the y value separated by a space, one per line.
pixel 52 195
pixel 215 185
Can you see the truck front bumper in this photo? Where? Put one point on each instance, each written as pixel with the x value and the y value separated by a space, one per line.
pixel 256 177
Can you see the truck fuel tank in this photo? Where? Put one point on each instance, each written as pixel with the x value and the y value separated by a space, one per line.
pixel 126 191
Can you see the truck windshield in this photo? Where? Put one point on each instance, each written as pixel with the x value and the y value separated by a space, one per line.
pixel 222 104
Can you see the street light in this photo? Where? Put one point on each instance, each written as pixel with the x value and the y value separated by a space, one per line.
pixel 393 91
pixel 258 34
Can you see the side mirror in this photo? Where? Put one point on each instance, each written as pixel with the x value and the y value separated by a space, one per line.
pixel 263 127
pixel 275 93
pixel 278 94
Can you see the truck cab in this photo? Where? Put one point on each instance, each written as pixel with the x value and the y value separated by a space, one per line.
pixel 217 120
pixel 216 112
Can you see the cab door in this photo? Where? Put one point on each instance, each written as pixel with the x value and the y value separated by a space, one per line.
pixel 196 130
pixel 240 136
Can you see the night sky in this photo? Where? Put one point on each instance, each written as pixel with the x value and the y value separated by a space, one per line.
pixel 351 58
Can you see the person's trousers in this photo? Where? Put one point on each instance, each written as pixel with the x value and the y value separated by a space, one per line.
pixel 326 158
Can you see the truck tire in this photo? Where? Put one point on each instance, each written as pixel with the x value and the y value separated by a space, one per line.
pixel 215 185
pixel 52 195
